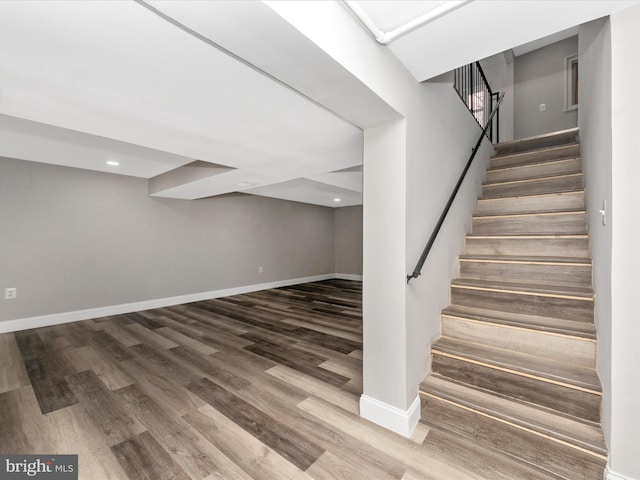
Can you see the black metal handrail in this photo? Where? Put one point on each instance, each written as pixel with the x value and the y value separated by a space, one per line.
pixel 494 99
pixel 418 270
pixel 472 86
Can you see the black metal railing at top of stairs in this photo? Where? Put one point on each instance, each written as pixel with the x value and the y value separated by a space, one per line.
pixel 489 119
pixel 471 84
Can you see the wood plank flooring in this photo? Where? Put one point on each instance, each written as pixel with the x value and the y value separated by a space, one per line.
pixel 258 386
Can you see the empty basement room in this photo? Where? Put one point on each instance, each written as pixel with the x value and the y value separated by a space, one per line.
pixel 230 248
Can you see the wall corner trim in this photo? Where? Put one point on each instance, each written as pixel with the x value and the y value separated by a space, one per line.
pixel 392 418
pixel 26 323
pixel 611 475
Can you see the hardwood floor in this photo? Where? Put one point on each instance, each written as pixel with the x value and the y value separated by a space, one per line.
pixel 257 386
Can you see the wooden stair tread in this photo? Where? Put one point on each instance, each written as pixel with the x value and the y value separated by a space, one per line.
pixel 555 151
pixel 576 211
pixel 520 259
pixel 535 185
pixel 545 423
pixel 520 363
pixel 538 236
pixel 551 290
pixel 520 320
pixel 521 202
pixel 566 133
pixel 539 142
pixel 532 163
pixel 533 195
pixel 537 178
pixel 530 151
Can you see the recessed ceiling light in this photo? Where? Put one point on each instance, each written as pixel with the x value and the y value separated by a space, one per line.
pixel 113 163
pixel 337 200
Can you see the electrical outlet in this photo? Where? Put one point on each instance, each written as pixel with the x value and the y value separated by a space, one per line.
pixel 543 107
pixel 260 269
pixel 10 293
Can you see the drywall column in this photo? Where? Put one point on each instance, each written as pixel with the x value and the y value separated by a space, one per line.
pixel 384 400
pixel 625 261
pixel 333 29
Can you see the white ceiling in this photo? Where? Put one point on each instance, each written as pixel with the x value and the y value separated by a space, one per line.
pixel 228 85
pixel 86 82
pixel 477 29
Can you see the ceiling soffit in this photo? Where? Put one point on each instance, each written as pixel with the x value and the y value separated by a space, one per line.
pixel 166 91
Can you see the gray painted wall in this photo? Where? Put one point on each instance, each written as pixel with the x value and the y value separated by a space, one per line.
pixel 539 78
pixel 75 239
pixel 348 240
pixel 608 130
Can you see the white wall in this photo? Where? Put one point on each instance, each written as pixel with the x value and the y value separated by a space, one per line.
pixel 625 261
pixel 440 138
pixel 539 78
pixel 76 239
pixel 594 120
pixel 410 169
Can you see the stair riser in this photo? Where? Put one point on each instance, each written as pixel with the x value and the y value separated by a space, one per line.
pixel 505 160
pixel 548 324
pixel 545 306
pixel 577 276
pixel 539 203
pixel 557 247
pixel 556 224
pixel 535 170
pixel 539 451
pixel 568 401
pixel 562 348
pixel 533 187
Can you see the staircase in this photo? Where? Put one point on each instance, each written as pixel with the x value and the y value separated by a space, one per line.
pixel 514 369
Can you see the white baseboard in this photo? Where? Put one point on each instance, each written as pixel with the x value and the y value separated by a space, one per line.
pixel 348 276
pixel 77 315
pixel 611 475
pixel 392 418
